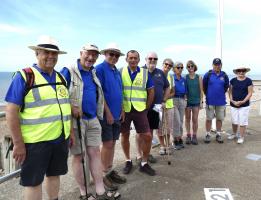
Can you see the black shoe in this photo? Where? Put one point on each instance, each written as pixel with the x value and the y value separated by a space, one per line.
pixel 181 143
pixel 188 140
pixel 194 140
pixel 219 139
pixel 147 170
pixel 109 185
pixel 177 145
pixel 128 167
pixel 115 177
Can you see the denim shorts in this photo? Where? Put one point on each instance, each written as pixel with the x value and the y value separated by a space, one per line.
pixel 193 105
pixel 110 132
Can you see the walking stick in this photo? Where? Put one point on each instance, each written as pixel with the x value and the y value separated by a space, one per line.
pixel 165 132
pixel 80 138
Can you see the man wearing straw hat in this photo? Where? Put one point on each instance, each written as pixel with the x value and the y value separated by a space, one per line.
pixel 240 92
pixel 111 83
pixel 39 119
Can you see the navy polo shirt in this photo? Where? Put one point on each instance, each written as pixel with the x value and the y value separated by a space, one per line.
pixel 149 83
pixel 180 87
pixel 160 84
pixel 15 93
pixel 89 103
pixel 110 79
pixel 217 85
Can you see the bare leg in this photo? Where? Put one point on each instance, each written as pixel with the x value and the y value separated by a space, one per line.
pixel 161 140
pixel 125 144
pixel 139 150
pixel 234 128
pixel 145 142
pixel 242 131
pixel 195 112
pixel 107 154
pixel 219 125
pixel 33 193
pixel 187 119
pixel 52 186
pixel 208 125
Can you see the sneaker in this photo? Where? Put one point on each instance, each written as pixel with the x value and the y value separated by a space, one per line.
pixel 162 151
pixel 240 140
pixel 128 167
pixel 219 138
pixel 188 140
pixel 147 170
pixel 115 177
pixel 110 186
pixel 207 139
pixel 152 159
pixel 194 140
pixel 231 136
pixel 238 135
pixel 181 143
pixel 177 145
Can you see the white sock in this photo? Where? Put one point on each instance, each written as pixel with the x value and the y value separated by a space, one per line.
pixel 128 160
pixel 143 163
pixel 218 133
pixel 207 133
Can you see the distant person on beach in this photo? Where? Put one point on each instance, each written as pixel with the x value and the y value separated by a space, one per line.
pixel 168 110
pixel 215 86
pixel 180 105
pixel 38 114
pixel 194 90
pixel 138 95
pixel 161 87
pixel 240 92
pixel 110 79
pixel 87 102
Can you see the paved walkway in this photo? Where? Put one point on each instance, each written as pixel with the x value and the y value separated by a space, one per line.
pixel 192 169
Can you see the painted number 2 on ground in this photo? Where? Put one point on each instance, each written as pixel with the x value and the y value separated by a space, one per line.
pixel 217 194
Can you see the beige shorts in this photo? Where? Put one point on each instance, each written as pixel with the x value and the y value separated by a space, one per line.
pixel 91 135
pixel 218 112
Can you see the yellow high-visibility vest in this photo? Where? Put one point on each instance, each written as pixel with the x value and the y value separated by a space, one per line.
pixel 134 92
pixel 47 112
pixel 169 102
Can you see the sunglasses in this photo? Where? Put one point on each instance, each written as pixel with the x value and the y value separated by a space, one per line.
pixel 153 59
pixel 190 66
pixel 114 55
pixel 179 67
pixel 241 71
pixel 167 64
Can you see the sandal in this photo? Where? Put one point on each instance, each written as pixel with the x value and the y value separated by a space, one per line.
pixel 89 196
pixel 108 195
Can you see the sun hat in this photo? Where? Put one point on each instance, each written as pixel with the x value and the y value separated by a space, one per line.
pixel 217 61
pixel 90 47
pixel 244 68
pixel 48 43
pixel 112 47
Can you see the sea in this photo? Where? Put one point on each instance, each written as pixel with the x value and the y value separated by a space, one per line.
pixel 6 78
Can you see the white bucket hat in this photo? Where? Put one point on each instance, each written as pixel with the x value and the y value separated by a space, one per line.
pixel 47 43
pixel 112 47
pixel 244 68
pixel 90 47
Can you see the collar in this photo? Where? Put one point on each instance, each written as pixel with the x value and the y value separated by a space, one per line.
pixel 109 66
pixel 137 70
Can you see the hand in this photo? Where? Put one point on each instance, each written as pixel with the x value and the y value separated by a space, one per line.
pixel 109 117
pixel 76 112
pixel 122 117
pixel 19 152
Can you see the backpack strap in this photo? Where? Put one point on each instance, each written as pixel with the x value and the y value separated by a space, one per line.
pixel 62 79
pixel 206 85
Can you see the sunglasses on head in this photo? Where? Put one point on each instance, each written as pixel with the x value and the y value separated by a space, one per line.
pixel 152 59
pixel 167 64
pixel 241 70
pixel 116 55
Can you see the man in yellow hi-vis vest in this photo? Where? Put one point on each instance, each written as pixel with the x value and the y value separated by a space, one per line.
pixel 138 94
pixel 39 118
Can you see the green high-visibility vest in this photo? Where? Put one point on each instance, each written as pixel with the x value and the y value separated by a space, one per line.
pixel 169 102
pixel 134 92
pixel 46 111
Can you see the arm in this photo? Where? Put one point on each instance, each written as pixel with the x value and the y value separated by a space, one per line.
pixel 166 96
pixel 150 97
pixel 249 95
pixel 12 118
pixel 201 91
pixel 108 114
pixel 172 92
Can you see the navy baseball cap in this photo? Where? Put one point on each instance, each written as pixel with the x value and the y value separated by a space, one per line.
pixel 217 61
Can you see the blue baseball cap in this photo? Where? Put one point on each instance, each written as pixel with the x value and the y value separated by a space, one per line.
pixel 217 61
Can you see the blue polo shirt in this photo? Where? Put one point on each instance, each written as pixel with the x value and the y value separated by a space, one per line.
pixel 111 82
pixel 216 89
pixel 180 86
pixel 89 103
pixel 160 84
pixel 15 93
pixel 149 83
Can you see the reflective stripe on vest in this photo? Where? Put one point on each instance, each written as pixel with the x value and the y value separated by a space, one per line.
pixel 47 112
pixel 134 92
pixel 170 102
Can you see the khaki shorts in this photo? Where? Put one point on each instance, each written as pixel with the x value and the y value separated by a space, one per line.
pixel 91 135
pixel 218 112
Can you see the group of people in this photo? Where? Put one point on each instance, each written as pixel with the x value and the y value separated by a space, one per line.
pixel 85 109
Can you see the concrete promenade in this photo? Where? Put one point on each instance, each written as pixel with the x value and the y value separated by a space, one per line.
pixel 192 169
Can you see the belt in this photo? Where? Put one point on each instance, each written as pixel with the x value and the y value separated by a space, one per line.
pixel 179 96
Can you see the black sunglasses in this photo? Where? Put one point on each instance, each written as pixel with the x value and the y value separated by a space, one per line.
pixel 167 64
pixel 241 70
pixel 153 59
pixel 179 67
pixel 190 66
pixel 114 55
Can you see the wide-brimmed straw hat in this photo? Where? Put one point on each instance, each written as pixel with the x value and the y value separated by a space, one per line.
pixel 112 47
pixel 244 68
pixel 47 43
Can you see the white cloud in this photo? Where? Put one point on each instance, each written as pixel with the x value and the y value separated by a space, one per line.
pixel 13 29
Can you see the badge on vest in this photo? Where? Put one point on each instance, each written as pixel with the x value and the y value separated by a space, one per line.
pixel 62 92
pixel 137 82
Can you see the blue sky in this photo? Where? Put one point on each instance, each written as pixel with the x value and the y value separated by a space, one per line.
pixel 179 29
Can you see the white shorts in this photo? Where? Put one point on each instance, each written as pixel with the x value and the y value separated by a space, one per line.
pixel 239 116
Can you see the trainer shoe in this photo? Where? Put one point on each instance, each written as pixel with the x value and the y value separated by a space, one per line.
pixel 181 143
pixel 147 170
pixel 188 140
pixel 162 151
pixel 231 136
pixel 177 145
pixel 110 186
pixel 128 167
pixel 115 177
pixel 207 139
pixel 152 159
pixel 219 138
pixel 194 140
pixel 240 140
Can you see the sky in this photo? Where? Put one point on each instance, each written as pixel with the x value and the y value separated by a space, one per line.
pixel 178 29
